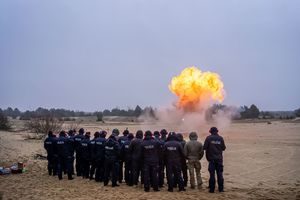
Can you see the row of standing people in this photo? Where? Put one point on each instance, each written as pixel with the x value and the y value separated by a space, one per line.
pixel 144 157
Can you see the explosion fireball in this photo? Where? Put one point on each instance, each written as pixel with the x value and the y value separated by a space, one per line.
pixel 196 89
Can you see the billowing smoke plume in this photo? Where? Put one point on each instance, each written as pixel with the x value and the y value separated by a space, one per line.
pixel 197 91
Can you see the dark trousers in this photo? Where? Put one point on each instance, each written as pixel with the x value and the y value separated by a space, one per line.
pixel 216 166
pixel 111 167
pixel 136 171
pixel 174 176
pixel 93 168
pixel 51 165
pixel 78 164
pixel 64 162
pixel 128 173
pixel 150 172
pixel 120 175
pixel 85 168
pixel 161 173
pixel 99 177
pixel 184 172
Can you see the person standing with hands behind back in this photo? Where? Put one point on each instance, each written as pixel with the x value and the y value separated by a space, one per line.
pixel 214 146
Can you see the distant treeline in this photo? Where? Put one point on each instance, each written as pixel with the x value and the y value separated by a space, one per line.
pixel 65 114
pixel 243 112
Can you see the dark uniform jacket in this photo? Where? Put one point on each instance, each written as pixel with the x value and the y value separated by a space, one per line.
pixel 135 148
pixel 60 147
pixel 150 150
pixel 125 151
pixel 84 149
pixel 49 145
pixel 214 146
pixel 100 148
pixel 77 141
pixel 173 152
pixel 112 150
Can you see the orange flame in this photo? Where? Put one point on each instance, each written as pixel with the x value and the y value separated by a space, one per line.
pixel 195 88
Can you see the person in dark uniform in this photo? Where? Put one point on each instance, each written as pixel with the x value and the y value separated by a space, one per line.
pixel 71 148
pixel 173 153
pixel 111 163
pixel 49 146
pixel 126 155
pixel 61 149
pixel 150 156
pixel 183 162
pixel 161 158
pixel 70 155
pixel 135 151
pixel 92 151
pixel 121 141
pixel 163 139
pixel 85 155
pixel 100 157
pixel 214 146
pixel 77 145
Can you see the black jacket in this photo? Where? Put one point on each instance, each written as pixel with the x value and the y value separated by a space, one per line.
pixel 173 152
pixel 112 150
pixel 77 141
pixel 125 151
pixel 135 148
pixel 150 150
pixel 122 139
pixel 70 146
pixel 49 145
pixel 60 146
pixel 100 149
pixel 84 149
pixel 92 150
pixel 214 146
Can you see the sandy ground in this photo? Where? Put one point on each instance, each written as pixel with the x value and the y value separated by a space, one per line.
pixel 262 161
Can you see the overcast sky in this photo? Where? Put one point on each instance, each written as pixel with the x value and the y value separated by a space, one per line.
pixel 91 55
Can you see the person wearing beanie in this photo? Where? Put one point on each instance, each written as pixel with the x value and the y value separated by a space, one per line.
pixel 49 147
pixel 77 144
pixel 92 152
pixel 193 151
pixel 150 157
pixel 214 146
pixel 173 153
pixel 126 156
pixel 111 164
pixel 85 155
pixel 121 141
pixel 99 154
pixel 135 151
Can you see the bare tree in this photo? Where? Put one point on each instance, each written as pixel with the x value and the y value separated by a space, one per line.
pixel 41 126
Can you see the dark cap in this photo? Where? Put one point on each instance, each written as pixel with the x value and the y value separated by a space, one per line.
pixel 130 136
pixel 148 133
pixel 139 134
pixel 81 131
pixel 213 130
pixel 96 134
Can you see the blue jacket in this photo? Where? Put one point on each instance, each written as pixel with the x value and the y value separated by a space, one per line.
pixel 49 145
pixel 100 148
pixel 77 141
pixel 84 149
